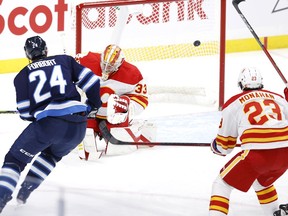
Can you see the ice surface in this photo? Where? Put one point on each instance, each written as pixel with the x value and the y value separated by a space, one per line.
pixel 158 181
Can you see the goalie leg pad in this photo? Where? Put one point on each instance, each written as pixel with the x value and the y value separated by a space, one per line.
pixel 148 133
pixel 87 149
pixel 83 155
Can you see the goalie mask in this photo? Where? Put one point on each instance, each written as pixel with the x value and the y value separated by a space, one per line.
pixel 249 79
pixel 35 48
pixel 111 60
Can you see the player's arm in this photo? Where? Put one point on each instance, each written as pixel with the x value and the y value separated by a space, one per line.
pixel 86 80
pixel 139 97
pixel 22 96
pixel 226 139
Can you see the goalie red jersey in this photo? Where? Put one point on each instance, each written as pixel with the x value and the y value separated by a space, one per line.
pixel 127 80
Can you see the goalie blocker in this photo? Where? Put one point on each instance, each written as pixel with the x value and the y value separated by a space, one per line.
pixel 120 123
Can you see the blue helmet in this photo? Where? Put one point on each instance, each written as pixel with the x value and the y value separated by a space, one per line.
pixel 35 48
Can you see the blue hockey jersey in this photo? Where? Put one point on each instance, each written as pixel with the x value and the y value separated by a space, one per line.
pixel 47 87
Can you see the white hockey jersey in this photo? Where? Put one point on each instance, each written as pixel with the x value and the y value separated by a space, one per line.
pixel 259 119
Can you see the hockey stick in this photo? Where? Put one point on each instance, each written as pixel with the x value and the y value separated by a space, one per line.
pixel 235 4
pixel 8 112
pixel 111 139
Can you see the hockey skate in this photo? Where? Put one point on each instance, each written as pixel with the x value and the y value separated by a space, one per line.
pixel 24 192
pixel 283 210
pixel 4 200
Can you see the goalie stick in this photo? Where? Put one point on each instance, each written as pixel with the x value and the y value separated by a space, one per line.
pixel 111 139
pixel 236 6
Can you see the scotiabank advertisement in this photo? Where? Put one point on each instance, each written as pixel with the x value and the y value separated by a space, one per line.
pixel 54 20
pixel 20 19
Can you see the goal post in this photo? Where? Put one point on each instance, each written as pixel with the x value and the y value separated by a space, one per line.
pixel 183 42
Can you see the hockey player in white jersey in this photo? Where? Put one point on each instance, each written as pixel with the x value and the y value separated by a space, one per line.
pixel 259 119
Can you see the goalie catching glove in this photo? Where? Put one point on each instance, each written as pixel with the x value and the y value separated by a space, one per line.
pixel 118 109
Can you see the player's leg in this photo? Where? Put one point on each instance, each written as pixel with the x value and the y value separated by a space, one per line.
pixel 15 161
pixel 283 208
pixel 92 146
pixel 219 201
pixel 40 169
pixel 267 197
pixel 61 135
pixel 9 177
pixel 44 163
pixel 272 167
pixel 238 174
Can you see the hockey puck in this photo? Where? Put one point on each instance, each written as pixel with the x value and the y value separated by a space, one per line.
pixel 197 43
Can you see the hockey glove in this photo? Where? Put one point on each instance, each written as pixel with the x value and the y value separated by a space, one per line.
pixel 118 109
pixel 91 112
pixel 214 148
pixel 286 93
pixel 122 104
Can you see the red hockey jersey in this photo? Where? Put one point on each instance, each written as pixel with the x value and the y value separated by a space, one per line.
pixel 128 80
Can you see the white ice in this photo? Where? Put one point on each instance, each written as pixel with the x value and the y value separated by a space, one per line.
pixel 158 181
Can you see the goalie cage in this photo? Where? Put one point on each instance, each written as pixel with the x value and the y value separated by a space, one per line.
pixel 161 37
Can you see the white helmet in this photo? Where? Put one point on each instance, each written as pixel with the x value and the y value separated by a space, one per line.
pixel 250 78
pixel 111 60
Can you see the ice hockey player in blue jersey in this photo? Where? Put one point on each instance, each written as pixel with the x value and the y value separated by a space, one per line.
pixel 46 95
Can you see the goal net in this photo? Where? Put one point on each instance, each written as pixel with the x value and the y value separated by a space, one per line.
pixel 175 44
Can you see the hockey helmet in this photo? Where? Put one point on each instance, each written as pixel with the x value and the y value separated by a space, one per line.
pixel 250 78
pixel 111 60
pixel 35 48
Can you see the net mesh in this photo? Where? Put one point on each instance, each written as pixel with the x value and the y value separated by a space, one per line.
pixel 154 31
pixel 157 32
